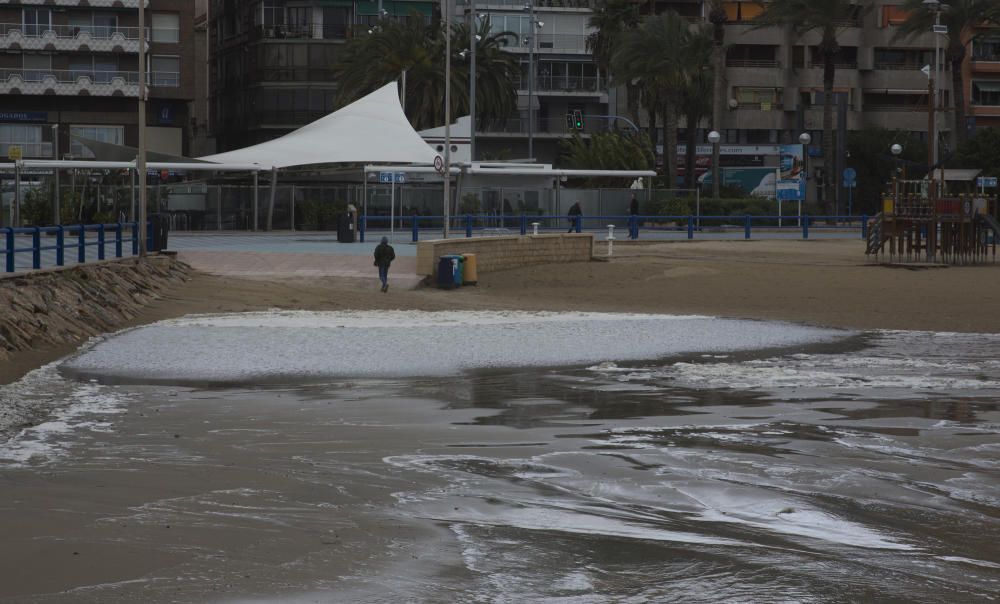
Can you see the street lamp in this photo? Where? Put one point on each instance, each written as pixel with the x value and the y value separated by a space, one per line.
pixel 714 137
pixel 933 74
pixel 896 150
pixel 805 139
pixel 447 119
pixel 140 160
pixel 533 25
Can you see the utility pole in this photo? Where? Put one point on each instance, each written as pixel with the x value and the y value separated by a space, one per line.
pixel 531 79
pixel 140 167
pixel 447 116
pixel 473 39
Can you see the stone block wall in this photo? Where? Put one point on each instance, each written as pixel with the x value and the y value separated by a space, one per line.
pixel 501 253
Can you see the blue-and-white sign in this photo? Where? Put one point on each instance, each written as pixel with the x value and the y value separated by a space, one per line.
pixel 850 178
pixel 392 177
pixel 986 182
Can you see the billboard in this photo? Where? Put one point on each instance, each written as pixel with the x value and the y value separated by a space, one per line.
pixel 791 184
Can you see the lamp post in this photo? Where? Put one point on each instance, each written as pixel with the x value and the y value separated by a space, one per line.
pixel 533 25
pixel 933 75
pixel 473 40
pixel 805 139
pixel 447 117
pixel 896 150
pixel 714 137
pixel 140 167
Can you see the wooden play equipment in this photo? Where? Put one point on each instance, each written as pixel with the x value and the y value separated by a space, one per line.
pixel 913 228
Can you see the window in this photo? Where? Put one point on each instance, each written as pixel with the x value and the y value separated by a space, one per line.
pixel 165 71
pixel 36 21
pixel 36 66
pixel 105 24
pixel 759 98
pixel 893 15
pixel 166 27
pixel 29 138
pixel 273 12
pixel 986 93
pixel 986 48
pixel 99 68
pixel 743 11
pixel 105 134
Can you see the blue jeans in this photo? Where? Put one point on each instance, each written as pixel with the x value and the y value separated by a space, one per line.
pixel 383 274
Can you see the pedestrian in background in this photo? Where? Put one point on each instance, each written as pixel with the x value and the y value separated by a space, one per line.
pixel 574 211
pixel 384 255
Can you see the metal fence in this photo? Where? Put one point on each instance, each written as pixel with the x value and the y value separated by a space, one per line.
pixel 42 247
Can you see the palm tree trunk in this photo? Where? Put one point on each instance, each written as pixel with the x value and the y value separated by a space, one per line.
pixel 718 88
pixel 829 162
pixel 653 133
pixel 670 142
pixel 959 133
pixel 690 155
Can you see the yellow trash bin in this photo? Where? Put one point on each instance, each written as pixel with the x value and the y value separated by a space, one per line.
pixel 888 206
pixel 471 275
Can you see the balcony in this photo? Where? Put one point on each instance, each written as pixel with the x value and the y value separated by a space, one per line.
pixel 569 85
pixel 540 5
pixel 70 82
pixel 69 38
pixel 555 43
pixel 82 3
pixel 305 31
pixel 753 63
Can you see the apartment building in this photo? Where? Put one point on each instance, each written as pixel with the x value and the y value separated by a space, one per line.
pixel 270 61
pixel 70 67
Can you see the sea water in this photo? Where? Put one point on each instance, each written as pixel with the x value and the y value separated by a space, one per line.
pixel 519 457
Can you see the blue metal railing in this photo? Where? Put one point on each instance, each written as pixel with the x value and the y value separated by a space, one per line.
pixel 15 242
pixel 471 224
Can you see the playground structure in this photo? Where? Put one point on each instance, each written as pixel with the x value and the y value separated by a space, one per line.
pixel 916 228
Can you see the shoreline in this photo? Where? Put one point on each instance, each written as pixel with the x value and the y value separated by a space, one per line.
pixel 815 283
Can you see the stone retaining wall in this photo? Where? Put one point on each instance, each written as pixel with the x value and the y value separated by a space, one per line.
pixel 501 253
pixel 62 306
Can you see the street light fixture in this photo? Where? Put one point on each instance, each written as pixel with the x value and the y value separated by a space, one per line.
pixel 934 76
pixel 896 150
pixel 533 26
pixel 714 137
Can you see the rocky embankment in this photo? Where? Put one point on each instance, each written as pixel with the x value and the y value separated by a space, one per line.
pixel 67 306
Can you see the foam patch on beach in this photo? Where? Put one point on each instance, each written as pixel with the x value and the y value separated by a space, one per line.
pixel 297 344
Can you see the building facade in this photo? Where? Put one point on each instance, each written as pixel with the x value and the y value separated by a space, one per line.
pixel 70 67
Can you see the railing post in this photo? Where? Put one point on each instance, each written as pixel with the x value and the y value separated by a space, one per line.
pixel 135 237
pixel 690 227
pixel 60 246
pixel 10 249
pixel 468 225
pixel 746 227
pixel 81 244
pixel 524 225
pixel 416 232
pixel 36 248
pixel 578 220
pixel 864 227
pixel 361 228
pixel 805 226
pixel 118 240
pixel 100 242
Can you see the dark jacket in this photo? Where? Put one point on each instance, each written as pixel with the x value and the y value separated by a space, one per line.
pixel 575 210
pixel 633 208
pixel 384 255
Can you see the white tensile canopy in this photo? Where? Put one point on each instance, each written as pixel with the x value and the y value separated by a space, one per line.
pixel 372 129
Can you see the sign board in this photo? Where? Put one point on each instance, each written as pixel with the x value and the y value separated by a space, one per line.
pixel 15 153
pixel 986 182
pixel 391 177
pixel 850 178
pixel 791 184
pixel 24 116
pixel 439 164
pixel 940 29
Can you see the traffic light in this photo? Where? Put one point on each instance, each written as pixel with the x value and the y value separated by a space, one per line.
pixel 569 121
pixel 578 119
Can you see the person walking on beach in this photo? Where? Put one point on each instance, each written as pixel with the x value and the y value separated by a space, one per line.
pixel 574 211
pixel 384 255
pixel 633 206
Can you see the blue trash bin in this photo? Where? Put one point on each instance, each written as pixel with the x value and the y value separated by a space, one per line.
pixel 447 267
pixel 458 268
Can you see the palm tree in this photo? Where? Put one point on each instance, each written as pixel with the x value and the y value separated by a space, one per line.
pixel 700 82
pixel 653 55
pixel 717 17
pixel 607 151
pixel 960 17
pixel 828 17
pixel 610 19
pixel 370 61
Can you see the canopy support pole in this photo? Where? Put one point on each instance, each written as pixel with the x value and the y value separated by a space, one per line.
pixel 364 203
pixel 256 194
pixel 270 205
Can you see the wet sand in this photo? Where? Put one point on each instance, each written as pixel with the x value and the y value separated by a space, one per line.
pixel 822 282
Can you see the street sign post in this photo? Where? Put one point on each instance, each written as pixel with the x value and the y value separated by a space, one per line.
pixel 986 182
pixel 850 181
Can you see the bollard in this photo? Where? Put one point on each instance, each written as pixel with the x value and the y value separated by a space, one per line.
pixel 100 242
pixel 611 239
pixel 805 226
pixel 468 225
pixel 746 227
pixel 81 244
pixel 10 249
pixel 416 232
pixel 864 227
pixel 36 248
pixel 361 228
pixel 118 240
pixel 534 228
pixel 524 225
pixel 60 246
pixel 690 227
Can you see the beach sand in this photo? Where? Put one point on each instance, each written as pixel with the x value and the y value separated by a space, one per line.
pixel 820 282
